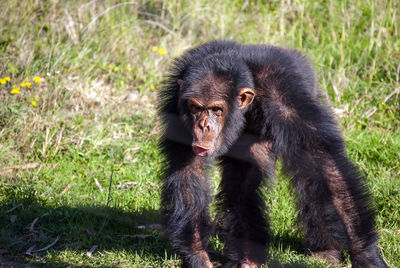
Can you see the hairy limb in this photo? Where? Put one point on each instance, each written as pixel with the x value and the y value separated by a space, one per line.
pixel 334 202
pixel 334 206
pixel 185 201
pixel 241 219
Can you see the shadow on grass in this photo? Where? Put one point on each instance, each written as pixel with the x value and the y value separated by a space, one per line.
pixel 78 229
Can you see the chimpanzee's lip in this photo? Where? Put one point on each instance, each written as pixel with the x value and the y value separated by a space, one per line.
pixel 201 151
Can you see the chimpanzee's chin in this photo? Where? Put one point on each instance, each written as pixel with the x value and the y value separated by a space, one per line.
pixel 203 154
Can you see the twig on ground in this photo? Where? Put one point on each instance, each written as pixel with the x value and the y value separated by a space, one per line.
pixel 390 231
pixel 98 185
pixel 155 226
pixel 48 246
pixel 30 249
pixel 142 236
pixel 127 184
pixel 33 224
pixel 66 189
pixel 14 208
pixel 92 249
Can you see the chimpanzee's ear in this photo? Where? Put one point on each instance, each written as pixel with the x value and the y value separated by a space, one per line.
pixel 245 97
pixel 180 83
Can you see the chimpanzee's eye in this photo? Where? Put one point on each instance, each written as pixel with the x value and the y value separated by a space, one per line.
pixel 217 110
pixel 194 109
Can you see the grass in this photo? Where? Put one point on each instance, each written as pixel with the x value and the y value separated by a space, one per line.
pixel 95 118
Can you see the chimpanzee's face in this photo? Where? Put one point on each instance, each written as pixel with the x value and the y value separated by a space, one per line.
pixel 208 117
pixel 207 104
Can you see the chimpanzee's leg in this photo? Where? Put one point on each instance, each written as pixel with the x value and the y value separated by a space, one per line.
pixel 185 200
pixel 244 228
pixel 335 207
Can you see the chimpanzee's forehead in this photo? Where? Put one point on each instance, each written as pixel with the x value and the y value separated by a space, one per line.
pixel 211 86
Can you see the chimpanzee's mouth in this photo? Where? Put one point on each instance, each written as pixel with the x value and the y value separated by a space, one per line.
pixel 201 151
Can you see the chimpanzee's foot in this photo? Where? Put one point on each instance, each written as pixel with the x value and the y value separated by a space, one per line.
pixel 243 264
pixel 368 258
pixel 331 256
pixel 200 259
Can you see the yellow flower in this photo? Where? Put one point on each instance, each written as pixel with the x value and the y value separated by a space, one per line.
pixel 28 84
pixel 155 48
pixel 116 68
pixel 7 78
pixel 3 81
pixel 22 84
pixel 36 79
pixel 34 103
pixel 36 98
pixel 275 12
pixel 152 87
pixel 15 91
pixel 161 51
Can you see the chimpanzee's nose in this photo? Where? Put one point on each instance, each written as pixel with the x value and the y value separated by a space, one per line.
pixel 204 125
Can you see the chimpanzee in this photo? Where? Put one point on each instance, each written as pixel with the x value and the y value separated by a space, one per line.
pixel 247 106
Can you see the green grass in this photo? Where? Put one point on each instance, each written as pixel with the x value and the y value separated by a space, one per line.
pixel 95 118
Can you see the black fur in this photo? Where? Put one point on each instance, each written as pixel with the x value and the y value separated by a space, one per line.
pixel 288 119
